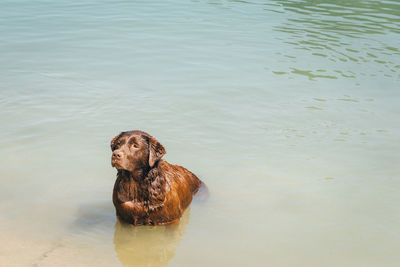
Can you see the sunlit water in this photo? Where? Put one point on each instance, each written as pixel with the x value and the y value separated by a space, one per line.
pixel 288 110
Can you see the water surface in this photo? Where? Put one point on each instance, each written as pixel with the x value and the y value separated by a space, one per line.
pixel 288 111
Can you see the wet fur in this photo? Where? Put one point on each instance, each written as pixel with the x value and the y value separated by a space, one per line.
pixel 149 190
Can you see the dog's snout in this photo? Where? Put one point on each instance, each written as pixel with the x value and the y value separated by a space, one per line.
pixel 117 154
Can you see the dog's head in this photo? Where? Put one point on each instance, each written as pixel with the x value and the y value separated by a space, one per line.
pixel 135 150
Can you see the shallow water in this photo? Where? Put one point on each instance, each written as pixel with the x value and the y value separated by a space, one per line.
pixel 287 110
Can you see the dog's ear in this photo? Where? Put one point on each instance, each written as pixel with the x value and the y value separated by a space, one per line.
pixel 114 141
pixel 156 151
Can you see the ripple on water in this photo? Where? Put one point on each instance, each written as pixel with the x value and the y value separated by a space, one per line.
pixel 345 35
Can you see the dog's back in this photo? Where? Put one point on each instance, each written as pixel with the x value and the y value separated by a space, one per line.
pixel 183 184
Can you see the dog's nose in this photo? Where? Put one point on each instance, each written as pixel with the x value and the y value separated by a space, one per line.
pixel 117 154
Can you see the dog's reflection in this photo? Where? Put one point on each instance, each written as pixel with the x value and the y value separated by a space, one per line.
pixel 148 245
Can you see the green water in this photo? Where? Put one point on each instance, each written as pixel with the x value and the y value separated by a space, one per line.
pixel 288 111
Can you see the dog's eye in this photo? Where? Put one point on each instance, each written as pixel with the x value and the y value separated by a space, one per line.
pixel 135 146
pixel 115 147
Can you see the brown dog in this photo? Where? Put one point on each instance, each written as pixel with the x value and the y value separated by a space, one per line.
pixel 148 190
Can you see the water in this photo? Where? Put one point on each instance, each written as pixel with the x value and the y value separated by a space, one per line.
pixel 287 110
